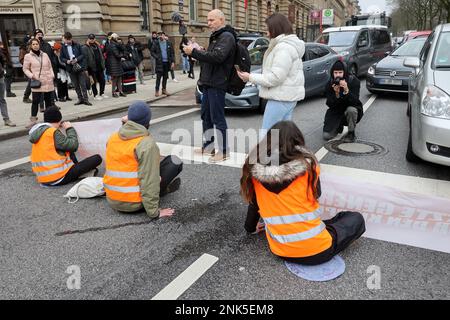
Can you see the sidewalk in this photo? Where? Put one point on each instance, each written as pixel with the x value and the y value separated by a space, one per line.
pixel 182 94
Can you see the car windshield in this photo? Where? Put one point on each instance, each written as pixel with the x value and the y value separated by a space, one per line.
pixel 442 56
pixel 338 38
pixel 246 42
pixel 411 48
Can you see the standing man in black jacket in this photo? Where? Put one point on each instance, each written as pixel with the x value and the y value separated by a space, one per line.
pixel 72 55
pixel 135 49
pixel 151 42
pixel 344 106
pixel 217 63
pixel 164 55
pixel 95 63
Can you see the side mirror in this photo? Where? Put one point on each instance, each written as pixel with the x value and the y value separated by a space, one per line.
pixel 412 62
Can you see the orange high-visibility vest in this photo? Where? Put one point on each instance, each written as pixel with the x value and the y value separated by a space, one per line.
pixel 121 177
pixel 47 163
pixel 293 225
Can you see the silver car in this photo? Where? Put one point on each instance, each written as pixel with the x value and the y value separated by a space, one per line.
pixel 429 100
pixel 317 62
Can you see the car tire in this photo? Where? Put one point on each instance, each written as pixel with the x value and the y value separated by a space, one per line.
pixel 262 105
pixel 410 156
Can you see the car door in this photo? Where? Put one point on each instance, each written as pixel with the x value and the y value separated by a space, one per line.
pixel 363 54
pixel 307 70
pixel 314 69
pixel 323 65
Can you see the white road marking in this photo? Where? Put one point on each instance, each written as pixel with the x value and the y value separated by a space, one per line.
pixel 14 163
pixel 323 151
pixel 187 278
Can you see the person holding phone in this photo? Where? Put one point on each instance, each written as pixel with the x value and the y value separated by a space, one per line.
pixel 282 80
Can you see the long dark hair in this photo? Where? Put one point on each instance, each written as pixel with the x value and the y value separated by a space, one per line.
pixel 291 146
pixel 278 24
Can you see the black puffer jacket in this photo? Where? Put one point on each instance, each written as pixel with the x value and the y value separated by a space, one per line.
pixel 115 53
pixel 335 117
pixel 217 62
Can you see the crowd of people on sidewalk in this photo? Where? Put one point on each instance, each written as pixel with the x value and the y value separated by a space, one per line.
pixel 54 67
pixel 280 182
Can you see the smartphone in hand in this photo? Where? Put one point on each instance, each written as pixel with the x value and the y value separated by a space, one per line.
pixel 237 68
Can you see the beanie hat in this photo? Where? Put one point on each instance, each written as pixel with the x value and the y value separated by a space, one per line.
pixel 338 66
pixel 140 112
pixel 38 31
pixel 52 115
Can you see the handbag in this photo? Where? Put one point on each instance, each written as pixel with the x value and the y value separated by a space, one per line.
pixel 36 84
pixel 76 68
pixel 128 65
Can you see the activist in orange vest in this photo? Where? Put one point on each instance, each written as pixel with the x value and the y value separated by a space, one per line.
pixel 135 178
pixel 52 154
pixel 283 191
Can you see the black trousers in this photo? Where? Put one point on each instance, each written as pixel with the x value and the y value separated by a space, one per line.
pixel 191 67
pixel 79 83
pixel 80 168
pixel 344 228
pixel 164 75
pixel 169 168
pixel 99 77
pixel 37 100
pixel 63 89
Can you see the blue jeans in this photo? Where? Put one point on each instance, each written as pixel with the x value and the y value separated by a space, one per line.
pixel 213 114
pixel 186 65
pixel 277 111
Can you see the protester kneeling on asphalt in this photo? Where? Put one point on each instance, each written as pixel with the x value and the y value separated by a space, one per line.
pixel 135 178
pixel 284 193
pixel 52 154
pixel 344 106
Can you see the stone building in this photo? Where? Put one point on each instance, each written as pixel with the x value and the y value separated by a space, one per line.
pixel 140 17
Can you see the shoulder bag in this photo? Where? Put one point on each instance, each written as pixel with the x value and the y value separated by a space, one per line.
pixel 36 84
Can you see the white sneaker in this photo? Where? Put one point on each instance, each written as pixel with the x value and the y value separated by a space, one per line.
pixel 104 96
pixel 175 80
pixel 98 98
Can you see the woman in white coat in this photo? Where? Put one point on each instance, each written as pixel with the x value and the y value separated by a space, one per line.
pixel 282 82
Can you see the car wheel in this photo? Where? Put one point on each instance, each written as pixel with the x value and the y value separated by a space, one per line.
pixel 410 156
pixel 262 105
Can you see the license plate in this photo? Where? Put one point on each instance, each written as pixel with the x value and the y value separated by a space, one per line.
pixel 391 82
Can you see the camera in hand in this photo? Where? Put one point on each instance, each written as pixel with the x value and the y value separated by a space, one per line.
pixel 337 81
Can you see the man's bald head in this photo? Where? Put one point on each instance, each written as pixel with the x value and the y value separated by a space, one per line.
pixel 216 20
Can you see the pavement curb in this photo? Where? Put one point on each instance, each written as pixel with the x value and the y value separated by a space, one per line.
pixel 22 131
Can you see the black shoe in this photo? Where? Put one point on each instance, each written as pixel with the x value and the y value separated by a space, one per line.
pixel 184 72
pixel 62 100
pixel 114 95
pixel 172 187
pixel 349 137
pixel 27 100
pixel 68 99
pixel 11 94
pixel 122 94
pixel 87 103
pixel 79 102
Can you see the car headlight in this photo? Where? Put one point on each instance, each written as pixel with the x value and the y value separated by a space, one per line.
pixel 435 103
pixel 249 84
pixel 371 70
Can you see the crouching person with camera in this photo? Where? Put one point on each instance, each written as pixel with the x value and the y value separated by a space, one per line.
pixel 52 154
pixel 135 176
pixel 344 106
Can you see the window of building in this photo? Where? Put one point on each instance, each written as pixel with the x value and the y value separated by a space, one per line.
pixel 215 4
pixel 143 7
pixel 258 15
pixel 193 10
pixel 233 13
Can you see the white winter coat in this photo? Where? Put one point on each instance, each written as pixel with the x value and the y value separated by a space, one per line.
pixel 282 77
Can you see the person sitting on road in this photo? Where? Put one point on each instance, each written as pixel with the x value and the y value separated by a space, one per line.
pixel 344 106
pixel 135 178
pixel 283 189
pixel 52 154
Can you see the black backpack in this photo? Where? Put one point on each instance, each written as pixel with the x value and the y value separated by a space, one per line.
pixel 242 59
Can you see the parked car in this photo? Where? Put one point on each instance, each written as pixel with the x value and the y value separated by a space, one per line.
pixel 417 34
pixel 252 41
pixel 396 42
pixel 390 75
pixel 317 62
pixel 360 46
pixel 429 100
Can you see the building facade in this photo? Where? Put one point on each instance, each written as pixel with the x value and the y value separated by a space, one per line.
pixel 140 17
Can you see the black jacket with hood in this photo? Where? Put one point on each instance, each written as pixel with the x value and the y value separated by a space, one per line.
pixel 217 62
pixel 335 117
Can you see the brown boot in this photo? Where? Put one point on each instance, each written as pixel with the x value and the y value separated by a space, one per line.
pixel 33 121
pixel 164 91
pixel 157 93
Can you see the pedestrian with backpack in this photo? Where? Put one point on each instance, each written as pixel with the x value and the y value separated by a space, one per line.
pixel 282 81
pixel 217 64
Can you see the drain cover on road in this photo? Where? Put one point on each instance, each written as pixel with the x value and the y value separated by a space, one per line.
pixel 358 148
